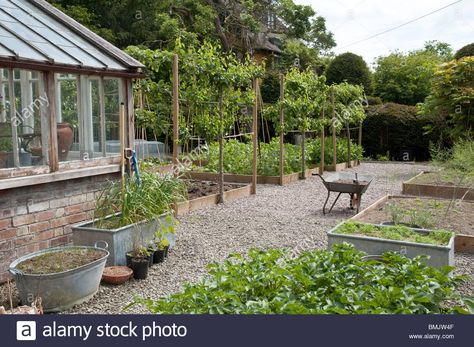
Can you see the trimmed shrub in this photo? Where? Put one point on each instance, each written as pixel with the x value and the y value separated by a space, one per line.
pixel 351 68
pixel 465 51
pixel 394 128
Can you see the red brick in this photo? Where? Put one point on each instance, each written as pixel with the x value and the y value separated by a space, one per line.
pixel 38 227
pixel 59 241
pixel 73 209
pixel 5 223
pixel 88 206
pixel 59 222
pixel 23 220
pixel 24 240
pixel 45 216
pixel 8 233
pixel 21 251
pixel 58 232
pixel 46 235
pixel 76 218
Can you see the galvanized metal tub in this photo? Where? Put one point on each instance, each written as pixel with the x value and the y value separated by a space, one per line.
pixel 120 240
pixel 438 255
pixel 60 291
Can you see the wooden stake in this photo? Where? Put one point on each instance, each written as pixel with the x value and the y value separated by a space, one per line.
pixel 122 146
pixel 282 134
pixel 50 87
pixel 348 131
pixel 334 152
pixel 255 138
pixel 175 112
pixel 323 142
pixel 221 147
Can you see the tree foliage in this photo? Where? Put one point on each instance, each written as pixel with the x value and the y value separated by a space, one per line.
pixel 235 25
pixel 351 68
pixel 204 74
pixel 406 78
pixel 466 51
pixel 451 101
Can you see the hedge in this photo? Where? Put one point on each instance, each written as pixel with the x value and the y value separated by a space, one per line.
pixel 393 128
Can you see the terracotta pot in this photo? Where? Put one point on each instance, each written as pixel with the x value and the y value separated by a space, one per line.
pixel 65 137
pixel 116 274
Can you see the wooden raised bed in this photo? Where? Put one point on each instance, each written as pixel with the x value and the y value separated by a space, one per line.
pixel 210 200
pixel 341 166
pixel 410 187
pixel 462 242
pixel 234 178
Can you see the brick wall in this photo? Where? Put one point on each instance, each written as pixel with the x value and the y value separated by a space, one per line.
pixel 38 217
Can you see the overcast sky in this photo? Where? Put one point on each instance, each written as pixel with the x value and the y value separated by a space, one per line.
pixel 354 20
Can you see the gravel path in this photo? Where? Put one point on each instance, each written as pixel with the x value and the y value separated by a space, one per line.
pixel 289 216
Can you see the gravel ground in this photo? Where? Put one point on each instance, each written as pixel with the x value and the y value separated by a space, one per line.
pixel 289 216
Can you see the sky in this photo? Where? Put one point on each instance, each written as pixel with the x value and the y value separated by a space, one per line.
pixel 354 20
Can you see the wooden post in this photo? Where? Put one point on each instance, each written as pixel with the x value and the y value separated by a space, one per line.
pixel 255 138
pixel 303 156
pixel 282 134
pixel 360 139
pixel 221 146
pixel 323 142
pixel 122 146
pixel 103 134
pixel 130 113
pixel 50 88
pixel 175 113
pixel 334 144
pixel 15 121
pixel 348 131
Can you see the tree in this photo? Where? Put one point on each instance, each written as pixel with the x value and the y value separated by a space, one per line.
pixel 466 51
pixel 451 101
pixel 351 68
pixel 235 25
pixel 405 78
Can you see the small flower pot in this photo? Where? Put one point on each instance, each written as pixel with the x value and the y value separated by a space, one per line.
pixel 159 256
pixel 166 249
pixel 140 268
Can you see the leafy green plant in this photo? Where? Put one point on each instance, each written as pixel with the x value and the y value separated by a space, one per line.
pixel 399 232
pixel 421 218
pixel 143 201
pixel 395 212
pixel 165 229
pixel 316 282
pixel 237 156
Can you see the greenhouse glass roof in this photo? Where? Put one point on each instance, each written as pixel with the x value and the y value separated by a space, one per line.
pixel 34 31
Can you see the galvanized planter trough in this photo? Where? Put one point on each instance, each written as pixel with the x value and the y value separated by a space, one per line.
pixel 120 240
pixel 59 291
pixel 439 255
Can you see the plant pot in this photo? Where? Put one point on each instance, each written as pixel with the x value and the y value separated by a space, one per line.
pixel 61 289
pixel 150 257
pixel 166 250
pixel 65 138
pixel 159 256
pixel 116 274
pixel 140 268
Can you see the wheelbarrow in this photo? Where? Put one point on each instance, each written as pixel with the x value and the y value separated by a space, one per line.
pixel 351 183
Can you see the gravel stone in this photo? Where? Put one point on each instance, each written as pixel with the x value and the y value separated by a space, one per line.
pixel 277 217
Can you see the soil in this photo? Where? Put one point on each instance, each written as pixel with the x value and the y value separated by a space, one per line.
pixel 442 214
pixel 65 260
pixel 361 183
pixel 198 189
pixel 445 178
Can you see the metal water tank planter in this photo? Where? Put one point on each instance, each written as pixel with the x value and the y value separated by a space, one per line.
pixel 61 290
pixel 120 240
pixel 439 255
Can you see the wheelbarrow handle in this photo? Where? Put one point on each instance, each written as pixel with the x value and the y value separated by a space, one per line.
pixel 321 177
